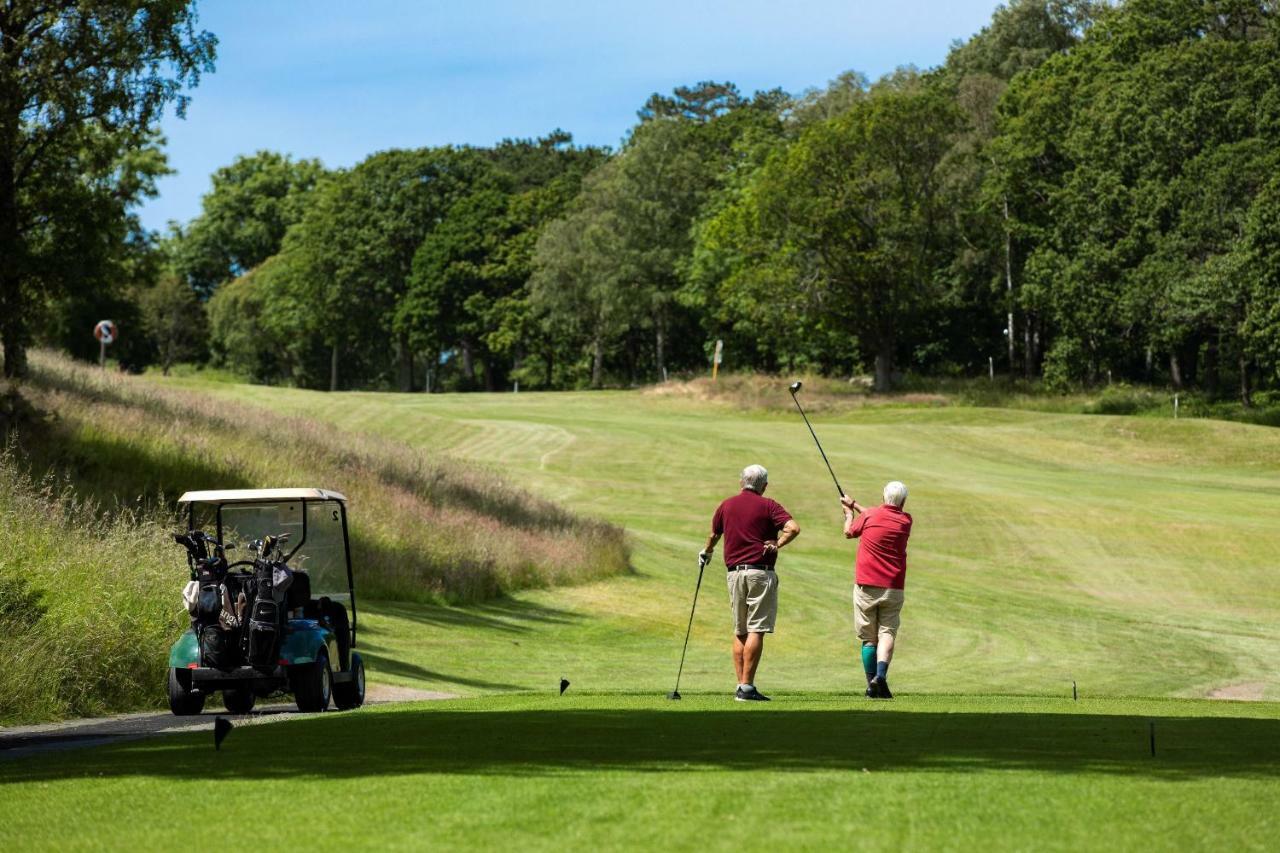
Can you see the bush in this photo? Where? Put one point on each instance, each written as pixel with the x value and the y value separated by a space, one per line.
pixel 1125 400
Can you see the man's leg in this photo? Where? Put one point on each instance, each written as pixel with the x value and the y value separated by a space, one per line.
pixel 865 625
pixel 739 645
pixel 884 651
pixel 890 619
pixel 751 651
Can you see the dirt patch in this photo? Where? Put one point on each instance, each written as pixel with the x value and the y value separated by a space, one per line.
pixel 393 693
pixel 1250 691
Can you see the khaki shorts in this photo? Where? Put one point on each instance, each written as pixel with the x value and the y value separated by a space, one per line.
pixel 753 600
pixel 876 610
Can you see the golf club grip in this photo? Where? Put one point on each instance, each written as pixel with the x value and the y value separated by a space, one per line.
pixel 819 443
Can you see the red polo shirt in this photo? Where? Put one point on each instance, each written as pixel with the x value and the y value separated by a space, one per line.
pixel 882 553
pixel 748 520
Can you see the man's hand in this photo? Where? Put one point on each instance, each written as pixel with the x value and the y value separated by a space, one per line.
pixel 704 557
pixel 770 547
pixel 849 504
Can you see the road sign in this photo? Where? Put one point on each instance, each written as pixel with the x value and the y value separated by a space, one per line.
pixel 105 332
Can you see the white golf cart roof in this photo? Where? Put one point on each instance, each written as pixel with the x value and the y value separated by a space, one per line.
pixel 230 496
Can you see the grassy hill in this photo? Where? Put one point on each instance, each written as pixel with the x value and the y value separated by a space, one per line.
pixel 1131 555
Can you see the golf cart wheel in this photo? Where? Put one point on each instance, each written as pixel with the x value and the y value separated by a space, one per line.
pixel 238 700
pixel 183 701
pixel 312 683
pixel 350 694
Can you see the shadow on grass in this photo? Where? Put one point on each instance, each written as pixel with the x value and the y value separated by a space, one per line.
pixel 379 664
pixel 504 615
pixel 548 742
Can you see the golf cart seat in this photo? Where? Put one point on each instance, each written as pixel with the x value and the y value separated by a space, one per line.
pixel 298 595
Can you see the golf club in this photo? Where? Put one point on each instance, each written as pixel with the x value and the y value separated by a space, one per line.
pixel 794 387
pixel 702 564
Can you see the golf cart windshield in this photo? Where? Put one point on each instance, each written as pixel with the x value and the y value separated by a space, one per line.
pixel 316 542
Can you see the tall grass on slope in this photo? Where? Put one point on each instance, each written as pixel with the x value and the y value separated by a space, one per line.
pixel 424 528
pixel 88 602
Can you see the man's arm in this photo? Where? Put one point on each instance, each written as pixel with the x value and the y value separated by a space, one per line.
pixel 852 508
pixel 789 531
pixel 704 556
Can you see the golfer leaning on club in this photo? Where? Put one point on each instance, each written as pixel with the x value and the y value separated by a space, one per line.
pixel 880 577
pixel 754 528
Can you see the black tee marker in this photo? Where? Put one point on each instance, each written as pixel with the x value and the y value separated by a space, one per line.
pixel 564 685
pixel 221 728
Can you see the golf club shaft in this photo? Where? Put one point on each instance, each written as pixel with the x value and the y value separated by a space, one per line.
pixel 819 443
pixel 701 566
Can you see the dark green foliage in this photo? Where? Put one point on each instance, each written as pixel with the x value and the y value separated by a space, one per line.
pixel 1082 192
pixel 244 217
pixel 81 88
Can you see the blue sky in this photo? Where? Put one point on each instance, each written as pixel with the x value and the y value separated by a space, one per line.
pixel 340 80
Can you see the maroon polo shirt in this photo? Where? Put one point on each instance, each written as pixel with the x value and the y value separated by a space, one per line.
pixel 882 551
pixel 748 520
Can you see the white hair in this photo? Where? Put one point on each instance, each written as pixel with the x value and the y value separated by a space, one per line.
pixel 895 493
pixel 755 478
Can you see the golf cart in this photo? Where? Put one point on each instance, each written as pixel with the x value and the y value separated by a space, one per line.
pixel 277 621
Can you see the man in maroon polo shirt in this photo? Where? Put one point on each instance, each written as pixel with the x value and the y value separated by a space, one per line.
pixel 880 578
pixel 754 528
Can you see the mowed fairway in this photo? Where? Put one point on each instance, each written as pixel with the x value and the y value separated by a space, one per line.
pixel 1135 557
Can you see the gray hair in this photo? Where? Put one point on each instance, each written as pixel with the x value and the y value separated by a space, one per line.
pixel 755 478
pixel 895 493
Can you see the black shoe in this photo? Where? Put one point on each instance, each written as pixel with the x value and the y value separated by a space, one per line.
pixel 880 687
pixel 750 694
pixel 871 691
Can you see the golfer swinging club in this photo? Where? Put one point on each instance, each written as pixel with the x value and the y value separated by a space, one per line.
pixel 880 576
pixel 754 528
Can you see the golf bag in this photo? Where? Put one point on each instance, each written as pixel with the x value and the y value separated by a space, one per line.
pixel 209 601
pixel 266 620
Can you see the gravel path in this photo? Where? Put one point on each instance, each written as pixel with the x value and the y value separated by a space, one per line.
pixel 19 741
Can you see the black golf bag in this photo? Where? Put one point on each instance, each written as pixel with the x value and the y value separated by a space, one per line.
pixel 266 620
pixel 212 610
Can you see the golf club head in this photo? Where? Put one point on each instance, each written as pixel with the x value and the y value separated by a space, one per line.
pixel 795 386
pixel 674 694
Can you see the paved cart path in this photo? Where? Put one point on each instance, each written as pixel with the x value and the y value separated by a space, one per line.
pixel 19 741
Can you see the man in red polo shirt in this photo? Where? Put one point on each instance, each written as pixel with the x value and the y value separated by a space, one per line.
pixel 754 529
pixel 880 578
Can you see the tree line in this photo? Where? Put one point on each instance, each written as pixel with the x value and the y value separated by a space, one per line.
pixel 1081 191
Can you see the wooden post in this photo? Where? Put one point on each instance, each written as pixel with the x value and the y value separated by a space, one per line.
pixel 991 368
pixel 1175 407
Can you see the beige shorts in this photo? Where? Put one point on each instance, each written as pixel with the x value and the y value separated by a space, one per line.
pixel 753 599
pixel 876 610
